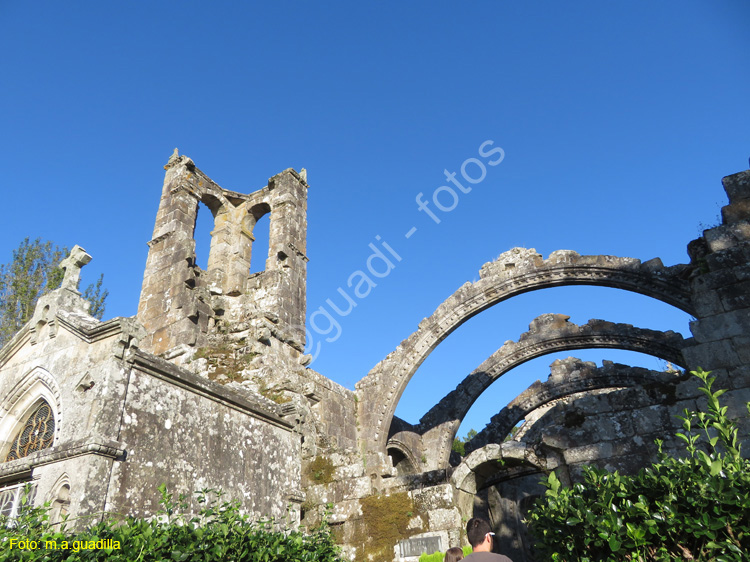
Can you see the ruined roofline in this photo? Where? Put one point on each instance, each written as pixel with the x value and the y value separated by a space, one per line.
pixel 84 327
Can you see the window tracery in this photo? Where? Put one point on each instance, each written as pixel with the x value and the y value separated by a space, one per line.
pixel 37 433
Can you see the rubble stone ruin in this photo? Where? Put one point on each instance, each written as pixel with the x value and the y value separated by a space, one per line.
pixel 209 386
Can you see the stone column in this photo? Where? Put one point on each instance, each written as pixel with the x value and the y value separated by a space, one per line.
pixel 167 308
pixel 721 285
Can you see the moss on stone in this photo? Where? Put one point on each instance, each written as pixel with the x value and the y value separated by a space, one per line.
pixel 223 360
pixel 320 470
pixel 273 394
pixel 385 521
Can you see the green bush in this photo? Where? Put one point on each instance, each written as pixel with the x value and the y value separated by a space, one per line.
pixel 218 533
pixel 697 507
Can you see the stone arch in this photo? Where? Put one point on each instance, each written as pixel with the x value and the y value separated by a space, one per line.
pixel 476 468
pixel 517 271
pixel 22 400
pixel 510 472
pixel 215 201
pixel 568 377
pixel 402 457
pixel 257 211
pixel 548 333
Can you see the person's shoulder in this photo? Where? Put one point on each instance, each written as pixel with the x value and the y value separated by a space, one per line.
pixel 487 557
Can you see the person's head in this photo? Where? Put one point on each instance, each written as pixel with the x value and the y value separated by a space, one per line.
pixel 454 554
pixel 480 534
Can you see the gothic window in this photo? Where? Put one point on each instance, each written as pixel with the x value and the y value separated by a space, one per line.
pixel 61 505
pixel 14 497
pixel 202 234
pixel 258 224
pixel 37 433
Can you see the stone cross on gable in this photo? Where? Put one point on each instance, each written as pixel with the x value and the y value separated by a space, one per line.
pixel 72 266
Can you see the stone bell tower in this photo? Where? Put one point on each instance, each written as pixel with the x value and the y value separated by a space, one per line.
pixel 183 307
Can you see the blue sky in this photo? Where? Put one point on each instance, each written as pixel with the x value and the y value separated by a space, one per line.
pixel 617 121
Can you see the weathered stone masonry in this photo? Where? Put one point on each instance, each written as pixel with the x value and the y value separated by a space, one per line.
pixel 180 304
pixel 209 386
pixel 127 421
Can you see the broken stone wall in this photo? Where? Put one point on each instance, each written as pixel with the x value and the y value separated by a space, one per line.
pixel 720 285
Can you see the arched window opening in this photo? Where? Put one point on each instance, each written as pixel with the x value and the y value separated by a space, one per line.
pixel 261 235
pixel 37 433
pixel 204 225
pixel 401 462
pixel 61 505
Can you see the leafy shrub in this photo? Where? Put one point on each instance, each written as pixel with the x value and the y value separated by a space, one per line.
pixel 694 508
pixel 218 532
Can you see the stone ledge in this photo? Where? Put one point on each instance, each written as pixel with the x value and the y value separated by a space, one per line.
pixel 164 370
pixel 102 447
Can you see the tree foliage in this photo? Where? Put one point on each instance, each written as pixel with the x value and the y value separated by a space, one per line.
pixel 459 445
pixel 34 271
pixel 440 556
pixel 218 532
pixel 691 508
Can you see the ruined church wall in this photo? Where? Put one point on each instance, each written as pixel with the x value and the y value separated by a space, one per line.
pixel 335 411
pixel 617 430
pixel 721 285
pixel 84 383
pixel 126 422
pixel 189 434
